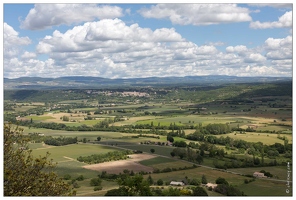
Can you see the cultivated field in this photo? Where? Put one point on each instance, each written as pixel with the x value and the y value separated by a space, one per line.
pixel 116 167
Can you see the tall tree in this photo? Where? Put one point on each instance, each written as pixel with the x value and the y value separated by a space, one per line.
pixel 25 175
pixel 199 159
pixel 134 186
pixel 150 180
pixel 204 179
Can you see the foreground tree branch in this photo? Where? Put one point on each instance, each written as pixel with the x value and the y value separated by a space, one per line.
pixel 25 175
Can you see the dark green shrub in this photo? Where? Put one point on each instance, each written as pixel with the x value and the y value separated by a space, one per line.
pixel 98 188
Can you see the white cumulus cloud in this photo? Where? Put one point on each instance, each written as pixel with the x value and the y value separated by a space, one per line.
pixel 197 14
pixel 279 48
pixel 12 46
pixel 240 49
pixel 28 55
pixel 44 16
pixel 11 37
pixel 285 21
pixel 254 58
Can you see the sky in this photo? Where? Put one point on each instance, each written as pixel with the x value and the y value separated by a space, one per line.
pixel 137 40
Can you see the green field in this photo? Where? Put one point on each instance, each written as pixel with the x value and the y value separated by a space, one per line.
pixel 91 135
pixel 159 150
pixel 156 160
pixel 39 118
pixel 172 164
pixel 262 187
pixel 279 172
pixel 72 151
pixel 265 138
pixel 23 108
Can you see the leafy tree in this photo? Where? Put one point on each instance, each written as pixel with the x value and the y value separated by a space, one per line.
pixel 199 191
pixel 268 174
pixel 185 192
pixel 171 192
pixel 221 181
pixel 204 179
pixel 180 144
pixel 199 159
pixel 80 178
pixel 25 175
pixel 228 190
pixel 181 152
pixel 95 182
pixel 202 152
pixel 67 177
pixel 98 188
pixel 152 150
pixel 134 186
pixel 65 118
pixel 150 180
pixel 173 154
pixel 99 138
pixel 159 182
pixel 194 182
pixel 170 138
pixel 256 161
pixel 116 192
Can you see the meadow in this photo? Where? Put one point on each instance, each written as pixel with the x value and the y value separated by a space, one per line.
pixel 265 138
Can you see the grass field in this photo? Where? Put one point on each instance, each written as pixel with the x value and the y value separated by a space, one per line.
pixel 69 152
pixel 66 158
pixel 174 164
pixel 265 138
pixel 156 160
pixel 133 120
pixel 208 119
pixel 279 172
pixel 39 117
pixel 261 187
pixel 89 135
pixel 86 190
pixel 160 150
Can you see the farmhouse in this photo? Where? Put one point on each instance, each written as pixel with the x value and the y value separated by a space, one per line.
pixel 175 183
pixel 259 175
pixel 211 185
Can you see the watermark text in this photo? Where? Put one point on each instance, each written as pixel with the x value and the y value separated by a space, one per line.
pixel 288 189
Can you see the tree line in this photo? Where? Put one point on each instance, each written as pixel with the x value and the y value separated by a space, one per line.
pixel 59 141
pixel 110 156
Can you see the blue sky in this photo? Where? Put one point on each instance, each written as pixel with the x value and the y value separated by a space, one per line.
pixel 145 40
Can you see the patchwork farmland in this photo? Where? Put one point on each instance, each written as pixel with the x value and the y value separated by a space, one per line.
pixel 168 137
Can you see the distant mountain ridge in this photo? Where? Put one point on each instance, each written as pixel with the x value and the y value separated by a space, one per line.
pixel 84 82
